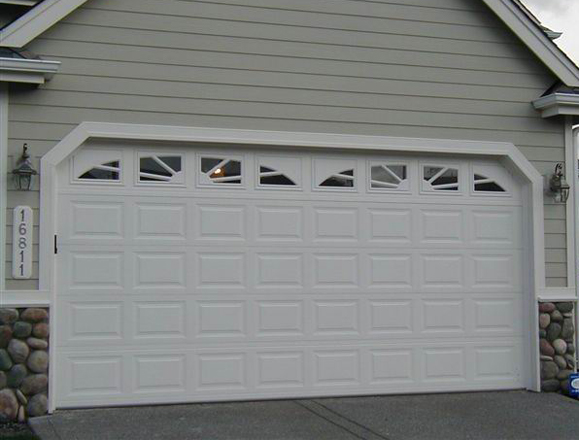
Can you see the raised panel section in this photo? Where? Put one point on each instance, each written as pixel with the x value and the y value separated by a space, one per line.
pixel 160 270
pixel 391 225
pixel 94 375
pixel 160 221
pixel 98 220
pixel 160 320
pixel 336 317
pixel 97 270
pixel 391 271
pixel 336 224
pixel 336 270
pixel 159 374
pixel 336 367
pixel 391 366
pixel 95 321
pixel 391 316
pixel 284 318
pixel 441 227
pixel 442 271
pixel 495 363
pixel 493 228
pixel 444 365
pixel 222 371
pixel 279 270
pixel 494 315
pixel 280 370
pixel 443 316
pixel 221 319
pixel 275 223
pixel 221 270
pixel 222 223
pixel 494 271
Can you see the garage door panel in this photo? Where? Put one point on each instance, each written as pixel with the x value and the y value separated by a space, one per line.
pixel 212 292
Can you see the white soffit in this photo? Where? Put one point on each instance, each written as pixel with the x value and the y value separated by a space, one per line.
pixel 36 21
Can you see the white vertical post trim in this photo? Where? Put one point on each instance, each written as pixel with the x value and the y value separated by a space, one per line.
pixel 3 179
pixel 571 176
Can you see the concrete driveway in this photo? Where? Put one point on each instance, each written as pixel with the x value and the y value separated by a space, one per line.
pixel 497 415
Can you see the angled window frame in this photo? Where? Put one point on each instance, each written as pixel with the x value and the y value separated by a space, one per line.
pixel 181 180
pixel 115 155
pixel 385 162
pixel 487 170
pixel 349 163
pixel 204 181
pixel 258 163
pixel 427 189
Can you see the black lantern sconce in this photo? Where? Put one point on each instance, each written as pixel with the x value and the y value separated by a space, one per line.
pixel 559 186
pixel 24 171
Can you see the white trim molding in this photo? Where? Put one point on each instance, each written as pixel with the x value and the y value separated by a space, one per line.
pixel 23 70
pixel 507 153
pixel 40 18
pixel 536 40
pixel 3 179
pixel 25 298
pixel 557 104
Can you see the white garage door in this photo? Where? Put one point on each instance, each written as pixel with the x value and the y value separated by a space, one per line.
pixel 205 274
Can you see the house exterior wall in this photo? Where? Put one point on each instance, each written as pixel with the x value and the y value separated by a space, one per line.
pixel 446 69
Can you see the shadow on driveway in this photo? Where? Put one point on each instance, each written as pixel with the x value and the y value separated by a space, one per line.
pixel 473 416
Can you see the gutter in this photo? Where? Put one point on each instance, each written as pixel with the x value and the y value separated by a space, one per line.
pixel 22 70
pixel 558 104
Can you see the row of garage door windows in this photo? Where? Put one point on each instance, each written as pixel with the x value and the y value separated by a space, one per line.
pixel 224 171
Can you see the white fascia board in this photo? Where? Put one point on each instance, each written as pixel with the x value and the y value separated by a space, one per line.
pixel 558 104
pixel 536 40
pixel 19 2
pixel 27 71
pixel 36 21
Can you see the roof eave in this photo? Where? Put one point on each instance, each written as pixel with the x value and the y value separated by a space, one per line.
pixel 27 71
pixel 557 104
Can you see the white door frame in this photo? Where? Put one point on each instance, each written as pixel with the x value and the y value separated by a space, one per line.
pixel 507 153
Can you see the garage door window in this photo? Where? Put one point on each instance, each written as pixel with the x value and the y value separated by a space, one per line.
pixel 485 184
pixel 220 170
pixel 160 169
pixel 390 177
pixel 97 166
pixel 440 178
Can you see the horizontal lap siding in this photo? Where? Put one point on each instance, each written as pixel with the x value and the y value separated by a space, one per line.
pixel 411 68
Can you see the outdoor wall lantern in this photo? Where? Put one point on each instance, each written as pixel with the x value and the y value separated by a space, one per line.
pixel 559 186
pixel 24 171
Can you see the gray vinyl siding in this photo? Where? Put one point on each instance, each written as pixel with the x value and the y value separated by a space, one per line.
pixel 445 69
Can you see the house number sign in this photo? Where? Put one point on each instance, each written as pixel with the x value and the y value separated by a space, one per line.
pixel 22 243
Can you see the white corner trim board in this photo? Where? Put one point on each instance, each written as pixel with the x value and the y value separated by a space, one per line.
pixel 27 71
pixel 40 18
pixel 3 178
pixel 557 104
pixel 536 40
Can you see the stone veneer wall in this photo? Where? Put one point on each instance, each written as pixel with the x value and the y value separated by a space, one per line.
pixel 23 363
pixel 557 345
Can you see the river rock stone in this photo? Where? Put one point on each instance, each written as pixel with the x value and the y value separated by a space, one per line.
pixel 560 361
pixel 546 348
pixel 34 315
pixel 8 316
pixel 3 380
pixel 570 361
pixel 21 397
pixel 556 316
pixel 18 350
pixel 5 335
pixel 542 333
pixel 38 361
pixel 568 329
pixel 37 344
pixel 5 360
pixel 546 358
pixel 550 386
pixel 553 331
pixel 22 329
pixel 546 307
pixel 549 370
pixel 560 346
pixel 544 320
pixel 37 406
pixel 16 375
pixel 21 414
pixel 41 330
pixel 571 348
pixel 34 384
pixel 8 406
pixel 565 307
pixel 568 315
pixel 564 374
